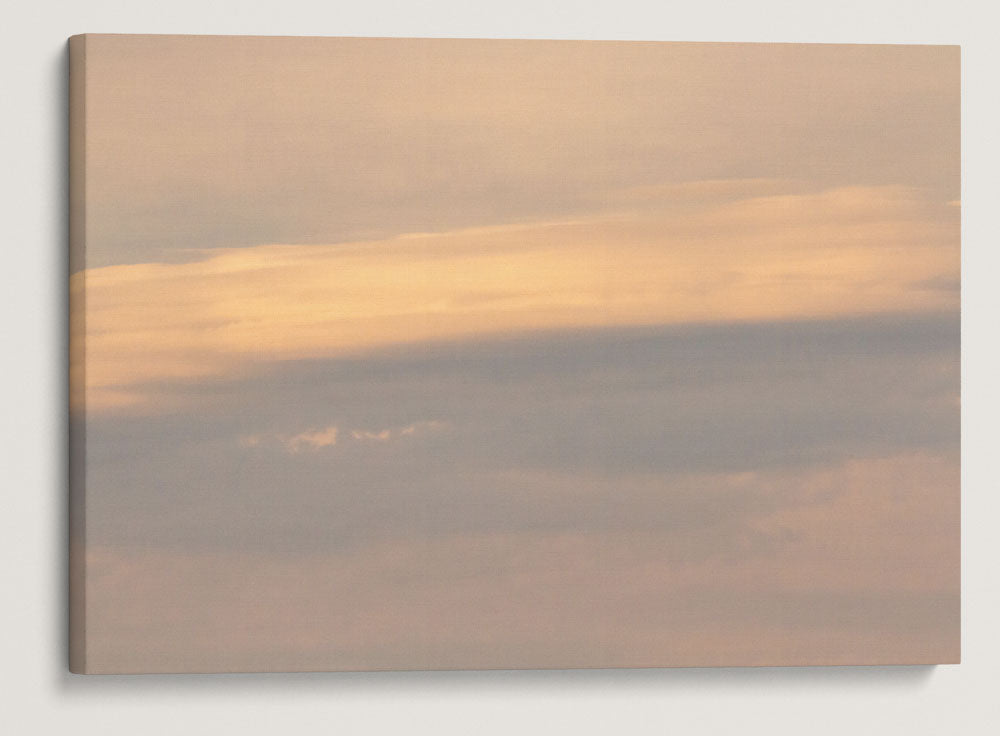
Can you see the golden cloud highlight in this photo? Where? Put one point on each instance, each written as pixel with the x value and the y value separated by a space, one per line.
pixel 656 260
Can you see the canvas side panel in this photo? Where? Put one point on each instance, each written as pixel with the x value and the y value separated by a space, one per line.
pixel 77 417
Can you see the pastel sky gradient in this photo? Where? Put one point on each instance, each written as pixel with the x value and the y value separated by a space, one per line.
pixel 469 354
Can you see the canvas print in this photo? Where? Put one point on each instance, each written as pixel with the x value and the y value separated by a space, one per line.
pixel 471 354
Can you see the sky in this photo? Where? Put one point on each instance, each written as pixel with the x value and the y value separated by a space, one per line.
pixel 432 354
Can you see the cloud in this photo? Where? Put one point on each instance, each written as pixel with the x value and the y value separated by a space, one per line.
pixel 328 437
pixel 361 434
pixel 852 563
pixel 409 430
pixel 853 251
pixel 736 493
pixel 313 440
pixel 574 430
pixel 421 427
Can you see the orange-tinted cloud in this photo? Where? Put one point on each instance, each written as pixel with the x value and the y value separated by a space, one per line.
pixel 660 260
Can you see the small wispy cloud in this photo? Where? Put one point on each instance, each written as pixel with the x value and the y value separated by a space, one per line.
pixel 420 427
pixel 316 439
pixel 388 433
pixel 364 434
pixel 312 440
pixel 309 440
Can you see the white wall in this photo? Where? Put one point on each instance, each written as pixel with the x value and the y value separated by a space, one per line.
pixel 38 696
